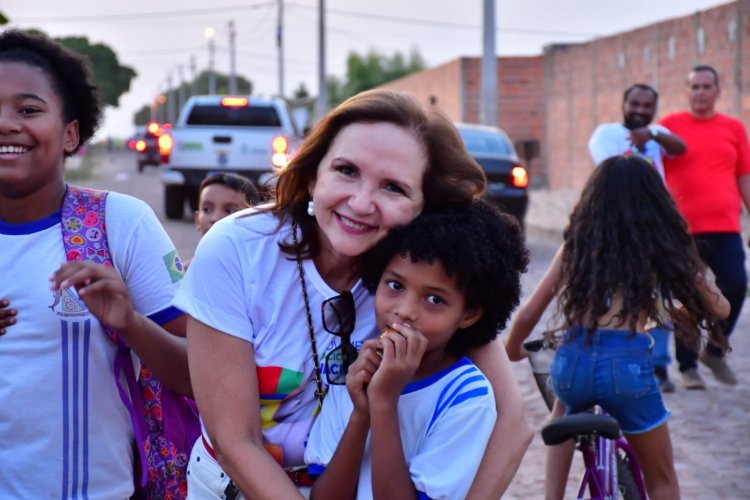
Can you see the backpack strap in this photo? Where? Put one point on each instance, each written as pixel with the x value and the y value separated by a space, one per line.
pixel 85 238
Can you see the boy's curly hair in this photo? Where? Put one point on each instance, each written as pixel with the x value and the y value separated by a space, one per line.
pixel 479 245
pixel 67 71
pixel 626 236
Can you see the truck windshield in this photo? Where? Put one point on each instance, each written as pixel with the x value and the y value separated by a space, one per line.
pixel 250 116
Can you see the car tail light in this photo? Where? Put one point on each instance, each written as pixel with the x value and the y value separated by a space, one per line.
pixel 234 102
pixel 153 128
pixel 280 156
pixel 140 145
pixel 518 177
pixel 165 147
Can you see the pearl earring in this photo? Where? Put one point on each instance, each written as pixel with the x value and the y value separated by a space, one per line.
pixel 311 208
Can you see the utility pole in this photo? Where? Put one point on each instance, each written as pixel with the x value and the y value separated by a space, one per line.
pixel 322 89
pixel 209 33
pixel 280 46
pixel 194 72
pixel 170 99
pixel 232 61
pixel 181 88
pixel 488 110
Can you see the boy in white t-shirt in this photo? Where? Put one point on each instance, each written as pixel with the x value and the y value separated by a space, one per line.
pixel 416 414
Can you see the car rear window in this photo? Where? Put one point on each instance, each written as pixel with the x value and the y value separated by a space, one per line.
pixel 478 141
pixel 250 116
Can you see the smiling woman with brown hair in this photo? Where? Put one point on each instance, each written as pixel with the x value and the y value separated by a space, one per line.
pixel 254 292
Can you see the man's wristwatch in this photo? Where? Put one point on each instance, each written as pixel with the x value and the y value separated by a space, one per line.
pixel 654 132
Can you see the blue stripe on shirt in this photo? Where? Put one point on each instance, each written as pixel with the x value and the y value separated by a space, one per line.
pixel 165 315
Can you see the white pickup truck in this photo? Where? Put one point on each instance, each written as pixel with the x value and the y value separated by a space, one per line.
pixel 242 135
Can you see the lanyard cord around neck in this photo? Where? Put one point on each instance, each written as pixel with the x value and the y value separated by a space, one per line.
pixel 313 347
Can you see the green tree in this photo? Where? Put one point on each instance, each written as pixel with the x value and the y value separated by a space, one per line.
pixel 364 72
pixel 244 86
pixel 3 19
pixel 300 92
pixel 112 78
pixel 142 116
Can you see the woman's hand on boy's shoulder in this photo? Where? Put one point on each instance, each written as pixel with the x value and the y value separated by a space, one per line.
pixel 7 315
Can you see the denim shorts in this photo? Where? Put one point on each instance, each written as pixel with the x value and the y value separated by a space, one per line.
pixel 614 370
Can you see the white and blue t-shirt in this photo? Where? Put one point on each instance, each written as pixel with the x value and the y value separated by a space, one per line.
pixel 445 421
pixel 64 432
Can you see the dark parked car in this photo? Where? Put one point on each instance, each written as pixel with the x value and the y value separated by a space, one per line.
pixel 507 178
pixel 150 146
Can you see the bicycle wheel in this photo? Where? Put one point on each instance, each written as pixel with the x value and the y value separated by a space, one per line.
pixel 626 485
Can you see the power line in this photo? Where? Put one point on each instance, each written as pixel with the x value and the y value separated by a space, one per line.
pixel 160 50
pixel 155 15
pixel 440 24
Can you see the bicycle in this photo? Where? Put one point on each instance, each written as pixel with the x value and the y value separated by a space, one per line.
pixel 611 469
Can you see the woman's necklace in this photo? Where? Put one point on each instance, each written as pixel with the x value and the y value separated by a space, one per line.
pixel 319 393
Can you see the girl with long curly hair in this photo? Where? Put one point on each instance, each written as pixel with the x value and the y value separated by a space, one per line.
pixel 626 254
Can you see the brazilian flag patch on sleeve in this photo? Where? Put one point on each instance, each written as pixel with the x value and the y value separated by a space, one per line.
pixel 174 266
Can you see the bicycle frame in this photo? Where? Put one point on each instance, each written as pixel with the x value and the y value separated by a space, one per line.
pixel 600 454
pixel 600 466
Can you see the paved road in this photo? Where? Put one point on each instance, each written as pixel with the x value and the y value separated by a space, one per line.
pixel 710 429
pixel 117 172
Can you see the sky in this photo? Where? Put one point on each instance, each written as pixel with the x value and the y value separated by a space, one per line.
pixel 158 39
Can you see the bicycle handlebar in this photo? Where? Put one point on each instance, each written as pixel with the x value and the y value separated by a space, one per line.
pixel 540 358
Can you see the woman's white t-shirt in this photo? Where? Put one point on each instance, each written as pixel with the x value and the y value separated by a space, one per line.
pixel 242 284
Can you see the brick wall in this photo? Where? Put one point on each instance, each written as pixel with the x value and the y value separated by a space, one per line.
pixel 455 87
pixel 441 82
pixel 560 96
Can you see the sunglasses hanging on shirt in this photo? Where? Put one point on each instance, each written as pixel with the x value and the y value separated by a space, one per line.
pixel 338 319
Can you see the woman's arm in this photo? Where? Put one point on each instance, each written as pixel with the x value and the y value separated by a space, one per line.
pixel 225 383
pixel 711 296
pixel 531 311
pixel 512 433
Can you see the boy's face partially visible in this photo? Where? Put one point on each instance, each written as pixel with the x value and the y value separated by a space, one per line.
pixel 424 296
pixel 216 202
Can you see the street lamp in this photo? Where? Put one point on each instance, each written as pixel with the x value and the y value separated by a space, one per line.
pixel 209 34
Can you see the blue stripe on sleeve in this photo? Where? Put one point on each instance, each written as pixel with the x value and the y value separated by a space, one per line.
pixel 445 403
pixel 165 315
pixel 422 496
pixel 315 469
pixel 474 393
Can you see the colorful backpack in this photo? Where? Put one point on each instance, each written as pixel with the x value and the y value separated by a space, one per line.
pixel 165 423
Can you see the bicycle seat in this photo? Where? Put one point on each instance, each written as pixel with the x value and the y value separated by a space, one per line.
pixel 566 427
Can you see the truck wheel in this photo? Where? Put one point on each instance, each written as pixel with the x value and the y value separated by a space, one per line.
pixel 174 202
pixel 192 196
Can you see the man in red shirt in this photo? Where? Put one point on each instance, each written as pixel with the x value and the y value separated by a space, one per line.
pixel 709 184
